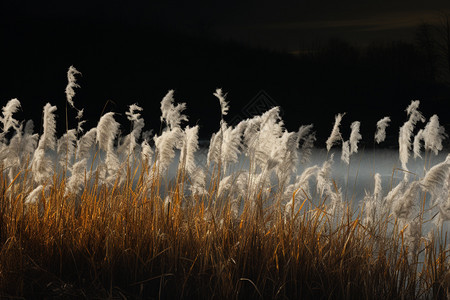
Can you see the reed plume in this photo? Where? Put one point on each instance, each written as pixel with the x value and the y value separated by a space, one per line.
pixel 77 179
pixel 345 155
pixel 85 143
pixel 380 134
pixel 71 84
pixel 355 137
pixel 172 114
pixel 335 135
pixel 42 165
pixel 437 177
pixel 433 135
pixel 406 131
pixel 224 107
pixel 416 143
pixel 190 146
pixel 7 119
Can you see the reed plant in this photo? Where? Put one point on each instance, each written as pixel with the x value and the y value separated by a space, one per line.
pixel 104 215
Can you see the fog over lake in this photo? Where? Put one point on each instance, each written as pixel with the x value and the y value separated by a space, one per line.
pixel 355 178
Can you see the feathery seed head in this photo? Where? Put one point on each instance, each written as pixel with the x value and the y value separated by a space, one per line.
pixel 433 135
pixel 223 103
pixel 335 135
pixel 380 134
pixel 355 137
pixel 170 113
pixel 107 130
pixel 71 84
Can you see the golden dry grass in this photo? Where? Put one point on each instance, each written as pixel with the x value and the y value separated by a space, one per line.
pixel 123 242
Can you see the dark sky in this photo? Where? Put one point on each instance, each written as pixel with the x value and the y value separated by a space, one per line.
pixel 281 25
pixel 286 25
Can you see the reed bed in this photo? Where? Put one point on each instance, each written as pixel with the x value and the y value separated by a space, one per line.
pixel 98 215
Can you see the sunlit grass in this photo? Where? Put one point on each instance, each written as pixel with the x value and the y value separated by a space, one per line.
pixel 124 242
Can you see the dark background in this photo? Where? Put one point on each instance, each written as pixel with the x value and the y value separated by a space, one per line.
pixel 314 60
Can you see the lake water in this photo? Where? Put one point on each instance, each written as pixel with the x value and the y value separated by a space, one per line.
pixel 356 177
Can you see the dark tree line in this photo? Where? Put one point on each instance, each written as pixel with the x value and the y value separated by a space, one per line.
pixel 434 42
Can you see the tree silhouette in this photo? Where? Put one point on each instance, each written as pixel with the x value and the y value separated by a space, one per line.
pixel 443 29
pixel 427 44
